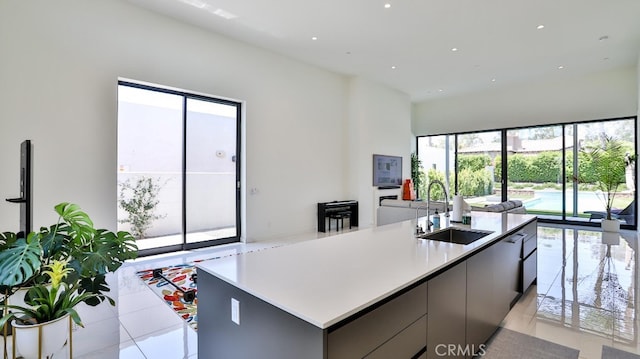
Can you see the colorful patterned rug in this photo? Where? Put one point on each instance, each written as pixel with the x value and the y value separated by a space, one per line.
pixel 182 276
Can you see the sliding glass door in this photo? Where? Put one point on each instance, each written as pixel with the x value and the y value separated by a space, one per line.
pixel 590 198
pixel 211 181
pixel 545 167
pixel 150 166
pixel 479 179
pixel 178 168
pixel 437 156
pixel 535 172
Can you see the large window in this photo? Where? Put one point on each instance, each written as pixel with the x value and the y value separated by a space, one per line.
pixel 437 156
pixel 535 171
pixel 545 167
pixel 478 157
pixel 178 168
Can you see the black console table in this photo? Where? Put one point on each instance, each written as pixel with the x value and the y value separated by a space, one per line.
pixel 325 209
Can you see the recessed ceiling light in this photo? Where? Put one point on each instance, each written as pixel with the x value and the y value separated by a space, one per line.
pixel 224 14
pixel 440 90
pixel 560 67
pixel 195 3
pixel 454 49
pixel 387 5
pixel 314 38
pixel 493 80
pixel 393 67
pixel 540 27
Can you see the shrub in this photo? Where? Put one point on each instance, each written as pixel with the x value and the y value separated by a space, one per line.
pixel 473 162
pixel 436 191
pixel 545 167
pixel 139 199
pixel 474 183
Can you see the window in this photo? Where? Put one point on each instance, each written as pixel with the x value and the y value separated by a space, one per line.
pixel 544 167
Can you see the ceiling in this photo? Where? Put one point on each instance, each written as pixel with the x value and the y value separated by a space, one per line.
pixel 409 44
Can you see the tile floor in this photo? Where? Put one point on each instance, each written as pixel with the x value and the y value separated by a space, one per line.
pixel 586 294
pixel 573 263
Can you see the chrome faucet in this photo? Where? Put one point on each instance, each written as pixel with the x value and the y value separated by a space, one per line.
pixel 419 229
pixel 446 201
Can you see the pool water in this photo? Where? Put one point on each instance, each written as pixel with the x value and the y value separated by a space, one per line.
pixel 552 201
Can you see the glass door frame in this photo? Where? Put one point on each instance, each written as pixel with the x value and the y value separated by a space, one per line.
pixel 206 243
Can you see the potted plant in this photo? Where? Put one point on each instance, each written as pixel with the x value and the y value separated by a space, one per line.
pixel 41 327
pixel 417 176
pixel 608 165
pixel 71 253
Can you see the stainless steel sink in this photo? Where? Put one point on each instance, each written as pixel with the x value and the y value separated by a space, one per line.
pixel 456 235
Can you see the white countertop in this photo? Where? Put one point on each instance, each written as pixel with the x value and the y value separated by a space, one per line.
pixel 324 281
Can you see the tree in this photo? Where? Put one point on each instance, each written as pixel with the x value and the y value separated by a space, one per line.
pixel 542 133
pixel 609 164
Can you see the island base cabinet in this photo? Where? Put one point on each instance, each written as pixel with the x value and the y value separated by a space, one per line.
pixel 492 283
pixel 406 344
pixel 397 325
pixel 262 331
pixel 446 318
pixel 529 257
pixel 529 270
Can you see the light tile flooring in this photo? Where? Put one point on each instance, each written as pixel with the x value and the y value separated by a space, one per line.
pixel 573 263
pixel 586 294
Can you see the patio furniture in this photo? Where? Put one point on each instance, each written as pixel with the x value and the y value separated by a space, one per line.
pixel 627 214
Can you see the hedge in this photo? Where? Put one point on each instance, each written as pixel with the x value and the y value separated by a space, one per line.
pixel 545 167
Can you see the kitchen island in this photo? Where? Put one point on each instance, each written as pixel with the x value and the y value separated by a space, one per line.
pixel 360 294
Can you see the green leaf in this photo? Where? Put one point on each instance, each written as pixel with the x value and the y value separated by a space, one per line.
pixel 80 225
pixel 7 239
pixel 20 261
pixel 54 245
pixel 107 253
pixel 96 287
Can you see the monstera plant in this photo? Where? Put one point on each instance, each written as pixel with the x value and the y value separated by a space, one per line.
pixel 61 266
pixel 90 252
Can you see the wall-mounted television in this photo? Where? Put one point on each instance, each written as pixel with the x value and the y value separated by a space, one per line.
pixel 387 171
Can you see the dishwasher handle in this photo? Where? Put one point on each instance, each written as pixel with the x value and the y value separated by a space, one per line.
pixel 515 238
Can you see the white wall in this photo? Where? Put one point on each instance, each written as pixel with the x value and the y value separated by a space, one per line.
pixel 601 95
pixel 379 122
pixel 59 69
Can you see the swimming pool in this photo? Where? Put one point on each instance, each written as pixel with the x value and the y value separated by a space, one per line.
pixel 550 200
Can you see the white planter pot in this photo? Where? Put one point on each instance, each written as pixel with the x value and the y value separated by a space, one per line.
pixel 52 337
pixel 17 299
pixel 610 225
pixel 612 238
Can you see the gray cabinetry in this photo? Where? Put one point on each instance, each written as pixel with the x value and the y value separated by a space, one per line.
pixel 399 323
pixel 529 256
pixel 492 280
pixel 405 344
pixel 507 273
pixel 262 331
pixel 447 313
pixel 482 307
